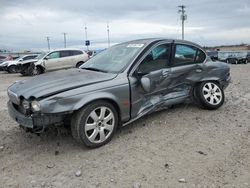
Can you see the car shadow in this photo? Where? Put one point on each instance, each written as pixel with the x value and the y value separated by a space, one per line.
pixel 58 139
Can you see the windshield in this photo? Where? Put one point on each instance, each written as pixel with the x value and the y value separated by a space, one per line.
pixel 41 55
pixel 114 59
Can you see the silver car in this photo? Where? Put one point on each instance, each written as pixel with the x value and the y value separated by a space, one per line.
pixel 118 86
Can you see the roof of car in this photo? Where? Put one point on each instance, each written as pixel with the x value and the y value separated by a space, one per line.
pixel 150 40
pixel 61 49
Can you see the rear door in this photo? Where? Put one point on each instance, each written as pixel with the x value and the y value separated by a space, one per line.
pixel 67 58
pixel 154 66
pixel 187 65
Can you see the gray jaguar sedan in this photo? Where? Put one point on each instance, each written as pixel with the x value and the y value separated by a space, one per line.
pixel 118 86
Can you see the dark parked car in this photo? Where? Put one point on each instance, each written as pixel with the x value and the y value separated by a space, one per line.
pixel 213 55
pixel 248 57
pixel 238 58
pixel 118 86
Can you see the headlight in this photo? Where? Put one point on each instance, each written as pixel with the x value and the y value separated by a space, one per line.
pixel 25 104
pixel 35 106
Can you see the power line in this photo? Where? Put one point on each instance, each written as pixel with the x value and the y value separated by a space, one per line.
pixel 64 37
pixel 183 18
pixel 48 42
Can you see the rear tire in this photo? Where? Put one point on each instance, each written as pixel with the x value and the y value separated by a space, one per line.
pixel 95 124
pixel 210 95
pixel 79 64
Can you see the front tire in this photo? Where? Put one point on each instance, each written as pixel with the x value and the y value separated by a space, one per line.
pixel 12 69
pixel 210 95
pixel 37 70
pixel 95 124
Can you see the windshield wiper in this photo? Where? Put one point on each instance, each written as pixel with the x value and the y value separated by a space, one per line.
pixel 94 69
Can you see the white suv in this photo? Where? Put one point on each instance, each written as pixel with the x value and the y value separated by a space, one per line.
pixel 60 59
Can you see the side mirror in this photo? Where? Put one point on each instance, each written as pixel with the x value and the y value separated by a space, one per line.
pixel 146 84
pixel 45 58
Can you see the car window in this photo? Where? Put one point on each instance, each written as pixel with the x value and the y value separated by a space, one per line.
pixel 53 55
pixel 65 53
pixel 27 58
pixel 185 54
pixel 200 56
pixel 114 59
pixel 156 59
pixel 77 52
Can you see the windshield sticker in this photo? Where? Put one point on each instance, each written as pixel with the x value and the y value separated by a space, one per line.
pixel 135 45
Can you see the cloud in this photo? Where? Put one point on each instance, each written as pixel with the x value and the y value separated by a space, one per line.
pixel 25 24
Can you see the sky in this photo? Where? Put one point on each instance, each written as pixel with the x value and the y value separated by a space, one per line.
pixel 25 24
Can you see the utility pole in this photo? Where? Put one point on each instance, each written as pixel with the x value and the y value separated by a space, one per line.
pixel 48 42
pixel 86 35
pixel 108 34
pixel 64 37
pixel 183 17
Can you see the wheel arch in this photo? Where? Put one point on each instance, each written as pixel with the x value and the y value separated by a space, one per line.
pixel 112 101
pixel 216 80
pixel 79 62
pixel 40 66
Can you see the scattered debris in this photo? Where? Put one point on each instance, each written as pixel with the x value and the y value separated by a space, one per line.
pixel 112 180
pixel 136 185
pixel 50 165
pixel 166 165
pixel 182 180
pixel 1 148
pixel 56 152
pixel 78 173
pixel 33 181
pixel 43 184
pixel 202 153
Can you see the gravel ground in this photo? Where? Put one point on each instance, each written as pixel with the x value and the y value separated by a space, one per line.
pixel 180 147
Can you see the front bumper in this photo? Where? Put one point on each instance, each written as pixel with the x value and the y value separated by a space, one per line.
pixel 37 122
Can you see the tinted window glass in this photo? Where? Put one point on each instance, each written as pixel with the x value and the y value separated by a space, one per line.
pixel 200 57
pixel 65 53
pixel 53 55
pixel 156 59
pixel 188 55
pixel 77 52
pixel 28 58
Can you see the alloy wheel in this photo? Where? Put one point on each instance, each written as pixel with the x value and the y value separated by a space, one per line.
pixel 99 124
pixel 212 93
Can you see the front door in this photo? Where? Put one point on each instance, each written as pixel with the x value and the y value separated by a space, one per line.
pixel 52 61
pixel 153 66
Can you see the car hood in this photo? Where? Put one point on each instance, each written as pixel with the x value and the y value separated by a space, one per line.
pixel 5 63
pixel 56 82
pixel 28 61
